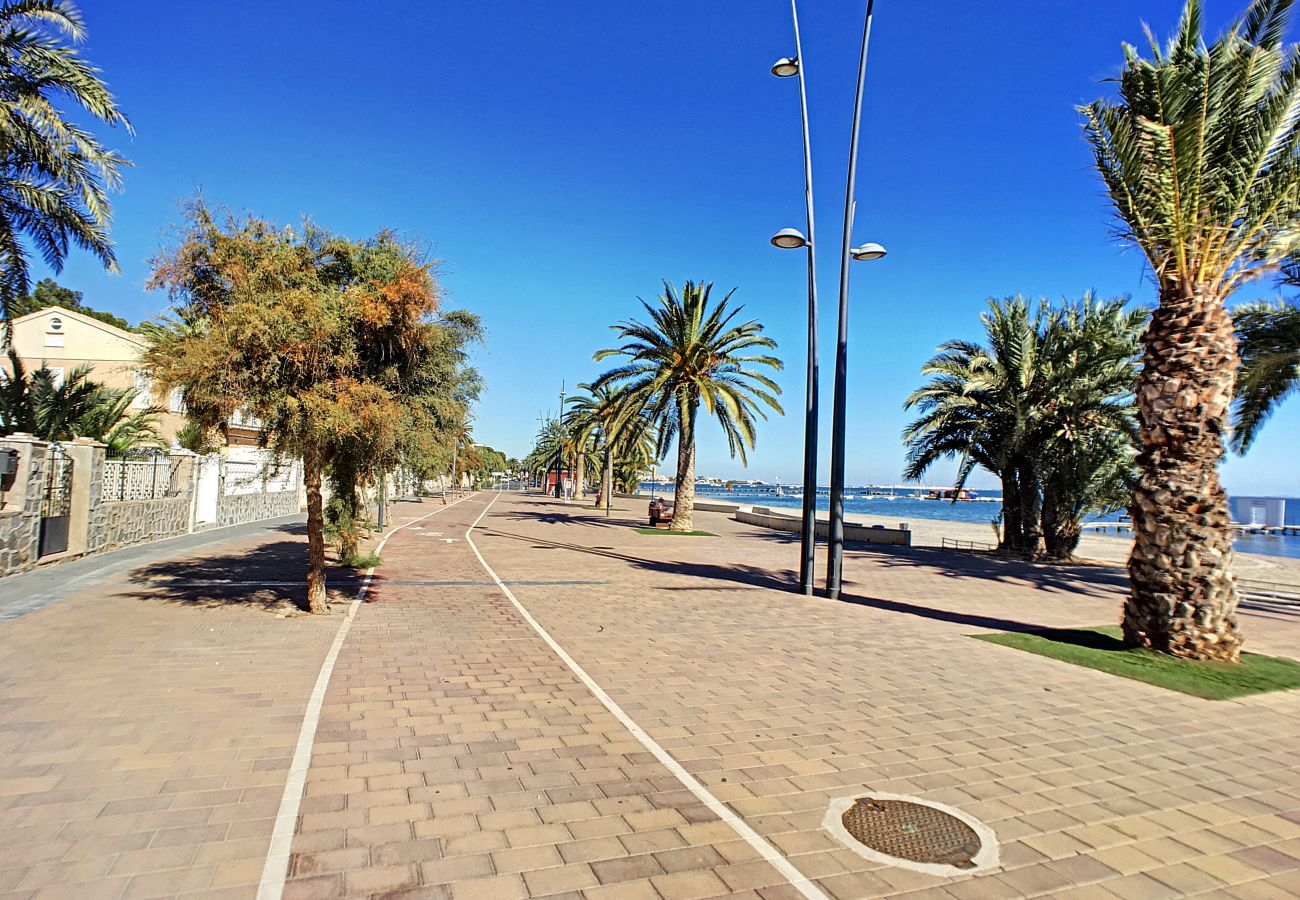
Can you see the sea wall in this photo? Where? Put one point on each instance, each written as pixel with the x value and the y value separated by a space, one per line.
pixel 853 532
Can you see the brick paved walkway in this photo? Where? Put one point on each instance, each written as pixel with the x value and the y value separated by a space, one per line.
pixel 146 725
pixel 145 733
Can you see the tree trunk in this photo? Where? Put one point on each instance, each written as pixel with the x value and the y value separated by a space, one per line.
pixel 1061 531
pixel 1031 510
pixel 316 599
pixel 606 496
pixel 580 477
pixel 1013 535
pixel 1183 594
pixel 684 493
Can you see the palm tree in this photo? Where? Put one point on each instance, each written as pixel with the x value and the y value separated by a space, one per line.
pixel 1268 335
pixel 691 355
pixel 604 418
pixel 60 409
pixel 982 407
pixel 1091 350
pixel 54 175
pixel 1046 406
pixel 1199 156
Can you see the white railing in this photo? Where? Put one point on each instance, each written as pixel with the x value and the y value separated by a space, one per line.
pixel 248 477
pixel 138 479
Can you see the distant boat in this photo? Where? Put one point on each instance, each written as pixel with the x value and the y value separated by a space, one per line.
pixel 950 494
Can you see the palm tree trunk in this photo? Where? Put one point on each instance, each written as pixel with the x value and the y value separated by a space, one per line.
pixel 316 600
pixel 1031 510
pixel 1183 595
pixel 684 493
pixel 580 477
pixel 1013 535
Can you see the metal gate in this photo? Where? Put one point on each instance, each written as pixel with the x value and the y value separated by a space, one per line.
pixel 56 505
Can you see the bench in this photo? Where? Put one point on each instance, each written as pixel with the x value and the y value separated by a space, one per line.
pixel 660 511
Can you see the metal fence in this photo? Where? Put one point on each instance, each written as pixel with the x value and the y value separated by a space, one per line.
pixel 146 477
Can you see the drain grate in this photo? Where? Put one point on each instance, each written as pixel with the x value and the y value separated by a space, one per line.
pixel 912 831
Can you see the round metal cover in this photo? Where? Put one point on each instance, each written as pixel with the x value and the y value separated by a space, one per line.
pixel 912 831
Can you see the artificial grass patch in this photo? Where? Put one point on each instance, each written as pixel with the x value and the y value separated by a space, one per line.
pixel 1101 648
pixel 677 533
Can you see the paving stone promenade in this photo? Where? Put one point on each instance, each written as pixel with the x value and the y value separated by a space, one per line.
pixel 148 726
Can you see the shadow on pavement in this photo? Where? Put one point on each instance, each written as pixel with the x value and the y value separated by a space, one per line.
pixel 739 574
pixel 270 576
pixel 944 615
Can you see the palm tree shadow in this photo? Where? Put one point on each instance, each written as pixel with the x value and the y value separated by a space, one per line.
pixel 270 576
pixel 751 576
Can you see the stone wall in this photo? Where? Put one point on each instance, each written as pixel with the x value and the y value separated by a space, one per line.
pixel 241 508
pixel 20 515
pixel 136 521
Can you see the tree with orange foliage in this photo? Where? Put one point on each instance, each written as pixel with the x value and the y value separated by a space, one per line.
pixel 330 343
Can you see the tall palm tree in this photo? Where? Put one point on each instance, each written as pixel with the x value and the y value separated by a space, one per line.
pixel 1200 153
pixel 691 355
pixel 1268 335
pixel 604 418
pixel 54 175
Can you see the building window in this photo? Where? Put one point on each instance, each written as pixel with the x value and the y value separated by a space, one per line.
pixel 54 338
pixel 143 391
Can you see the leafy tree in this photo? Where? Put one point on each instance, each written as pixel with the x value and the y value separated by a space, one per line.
pixel 277 322
pixel 49 293
pixel 691 355
pixel 54 175
pixel 1269 337
pixel 1200 153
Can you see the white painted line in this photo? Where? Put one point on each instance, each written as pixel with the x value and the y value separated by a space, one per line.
pixel 276 870
pixel 797 879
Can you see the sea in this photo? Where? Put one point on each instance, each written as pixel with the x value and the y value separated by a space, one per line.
pixel 903 504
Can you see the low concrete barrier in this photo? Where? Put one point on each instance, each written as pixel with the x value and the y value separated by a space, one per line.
pixel 853 532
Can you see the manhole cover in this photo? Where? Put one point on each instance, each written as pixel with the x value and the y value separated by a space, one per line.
pixel 912 833
pixel 906 830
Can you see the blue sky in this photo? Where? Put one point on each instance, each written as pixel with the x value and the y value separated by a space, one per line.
pixel 563 158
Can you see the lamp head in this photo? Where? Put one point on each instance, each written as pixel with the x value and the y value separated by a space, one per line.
pixel 868 252
pixel 789 239
pixel 785 67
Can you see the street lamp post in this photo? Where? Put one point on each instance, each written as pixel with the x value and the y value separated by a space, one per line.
pixel 790 239
pixel 835 544
pixel 559 449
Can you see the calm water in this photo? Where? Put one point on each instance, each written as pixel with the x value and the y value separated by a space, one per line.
pixel 981 512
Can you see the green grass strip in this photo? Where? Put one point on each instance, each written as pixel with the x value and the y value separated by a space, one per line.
pixel 676 533
pixel 1101 649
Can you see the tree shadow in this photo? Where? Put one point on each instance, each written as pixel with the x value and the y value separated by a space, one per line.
pixel 973 620
pixel 588 516
pixel 270 576
pixel 752 576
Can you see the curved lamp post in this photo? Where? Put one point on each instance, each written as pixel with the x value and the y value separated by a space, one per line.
pixel 790 239
pixel 835 544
